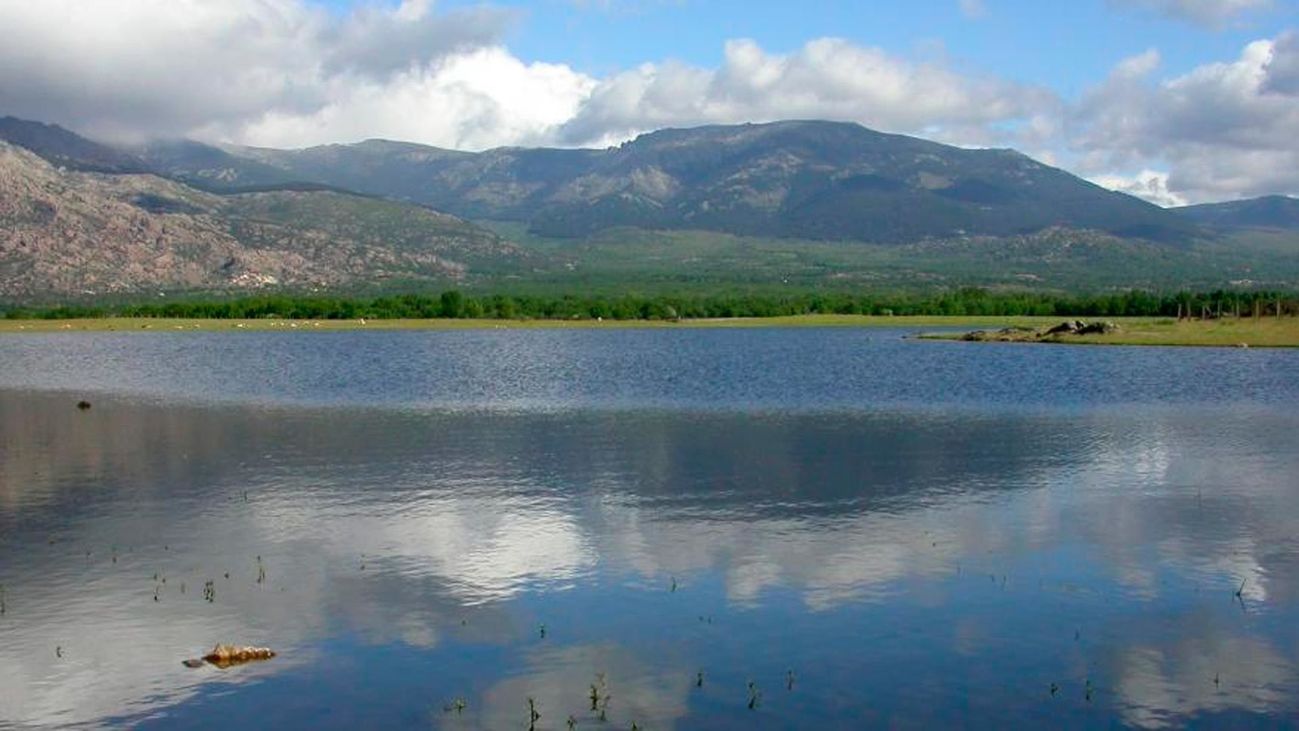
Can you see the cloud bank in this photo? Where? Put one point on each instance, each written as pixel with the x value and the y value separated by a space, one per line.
pixel 287 73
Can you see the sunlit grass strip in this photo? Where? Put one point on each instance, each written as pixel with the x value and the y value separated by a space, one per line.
pixel 1264 332
pixel 149 324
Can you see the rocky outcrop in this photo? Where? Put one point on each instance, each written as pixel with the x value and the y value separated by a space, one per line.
pixel 65 232
pixel 1058 333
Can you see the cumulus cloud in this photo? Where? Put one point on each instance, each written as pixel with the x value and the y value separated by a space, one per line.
pixel 134 68
pixel 476 100
pixel 1222 130
pixel 1151 185
pixel 285 73
pixel 1209 13
pixel 376 41
pixel 825 79
pixel 1281 75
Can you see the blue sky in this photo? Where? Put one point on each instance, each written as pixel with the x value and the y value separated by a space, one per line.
pixel 1064 44
pixel 1177 101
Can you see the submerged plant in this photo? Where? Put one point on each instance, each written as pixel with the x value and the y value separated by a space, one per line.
pixel 699 679
pixel 533 715
pixel 457 706
pixel 209 591
pixel 755 695
pixel 261 571
pixel 789 680
pixel 2 600
pixel 600 696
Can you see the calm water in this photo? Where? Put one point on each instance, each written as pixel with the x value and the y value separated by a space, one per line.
pixel 926 534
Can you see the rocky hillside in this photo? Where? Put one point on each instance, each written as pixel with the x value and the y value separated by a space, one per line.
pixel 809 180
pixel 69 232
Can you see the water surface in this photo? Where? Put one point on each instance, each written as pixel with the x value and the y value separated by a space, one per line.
pixel 923 534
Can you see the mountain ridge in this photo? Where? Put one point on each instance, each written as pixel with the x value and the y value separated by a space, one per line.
pixel 1267 212
pixel 800 203
pixel 794 179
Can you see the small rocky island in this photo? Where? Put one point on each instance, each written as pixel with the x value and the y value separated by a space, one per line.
pixel 1057 333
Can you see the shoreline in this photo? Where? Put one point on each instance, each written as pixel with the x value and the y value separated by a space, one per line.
pixel 1227 333
pixel 145 324
pixel 1139 331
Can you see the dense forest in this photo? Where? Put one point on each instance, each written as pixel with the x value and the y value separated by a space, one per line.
pixel 455 304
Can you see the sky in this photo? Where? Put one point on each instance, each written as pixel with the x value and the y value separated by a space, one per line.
pixel 1178 101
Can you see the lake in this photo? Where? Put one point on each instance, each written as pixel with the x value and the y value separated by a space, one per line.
pixel 767 528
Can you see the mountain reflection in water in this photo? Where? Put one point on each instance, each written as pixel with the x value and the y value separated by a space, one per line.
pixel 911 568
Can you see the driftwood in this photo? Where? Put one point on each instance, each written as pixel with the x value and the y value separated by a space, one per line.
pixel 224 656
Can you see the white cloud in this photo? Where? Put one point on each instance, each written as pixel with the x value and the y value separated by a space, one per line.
pixel 1222 130
pixel 1151 185
pixel 133 68
pixel 284 73
pixel 481 99
pixel 1209 13
pixel 826 79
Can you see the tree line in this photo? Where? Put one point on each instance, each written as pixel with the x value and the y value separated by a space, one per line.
pixel 455 304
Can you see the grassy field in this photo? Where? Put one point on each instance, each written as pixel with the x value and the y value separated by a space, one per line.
pixel 1262 333
pixel 1267 332
pixel 172 325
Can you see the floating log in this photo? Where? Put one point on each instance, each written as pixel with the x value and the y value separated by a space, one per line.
pixel 224 656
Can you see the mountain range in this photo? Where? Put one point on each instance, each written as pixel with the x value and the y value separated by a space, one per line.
pixel 83 217
pixel 807 180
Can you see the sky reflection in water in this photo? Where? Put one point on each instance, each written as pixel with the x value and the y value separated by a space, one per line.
pixel 911 567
